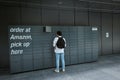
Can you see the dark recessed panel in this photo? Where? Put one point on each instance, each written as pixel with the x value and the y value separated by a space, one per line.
pixel 31 16
pixel 94 18
pixel 66 17
pixel 13 15
pixel 50 16
pixel 81 17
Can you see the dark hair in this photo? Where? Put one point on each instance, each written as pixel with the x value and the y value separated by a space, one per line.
pixel 59 33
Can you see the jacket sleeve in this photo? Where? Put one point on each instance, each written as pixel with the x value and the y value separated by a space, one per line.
pixel 55 41
pixel 65 42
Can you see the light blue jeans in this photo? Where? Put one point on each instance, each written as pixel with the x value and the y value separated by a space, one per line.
pixel 58 56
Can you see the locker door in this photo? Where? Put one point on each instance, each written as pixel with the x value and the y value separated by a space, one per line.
pixel 37 47
pixel 73 45
pixel 15 63
pixel 47 50
pixel 81 44
pixel 65 31
pixel 95 43
pixel 27 56
pixel 27 63
pixel 88 44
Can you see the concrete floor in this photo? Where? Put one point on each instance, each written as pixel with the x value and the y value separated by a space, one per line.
pixel 106 68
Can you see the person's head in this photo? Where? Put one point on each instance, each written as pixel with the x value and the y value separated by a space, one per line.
pixel 59 33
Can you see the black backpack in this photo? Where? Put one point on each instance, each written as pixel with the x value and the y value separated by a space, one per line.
pixel 60 43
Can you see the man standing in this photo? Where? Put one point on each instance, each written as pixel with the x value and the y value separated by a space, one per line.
pixel 59 43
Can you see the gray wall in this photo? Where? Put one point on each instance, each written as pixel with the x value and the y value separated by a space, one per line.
pixel 30 12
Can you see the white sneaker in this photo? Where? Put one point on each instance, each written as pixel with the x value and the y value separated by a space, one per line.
pixel 63 70
pixel 56 70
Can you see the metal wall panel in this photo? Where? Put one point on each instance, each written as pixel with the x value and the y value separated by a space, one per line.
pixel 106 28
pixel 81 17
pixel 66 17
pixel 49 16
pixel 30 16
pixel 95 20
pixel 116 33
